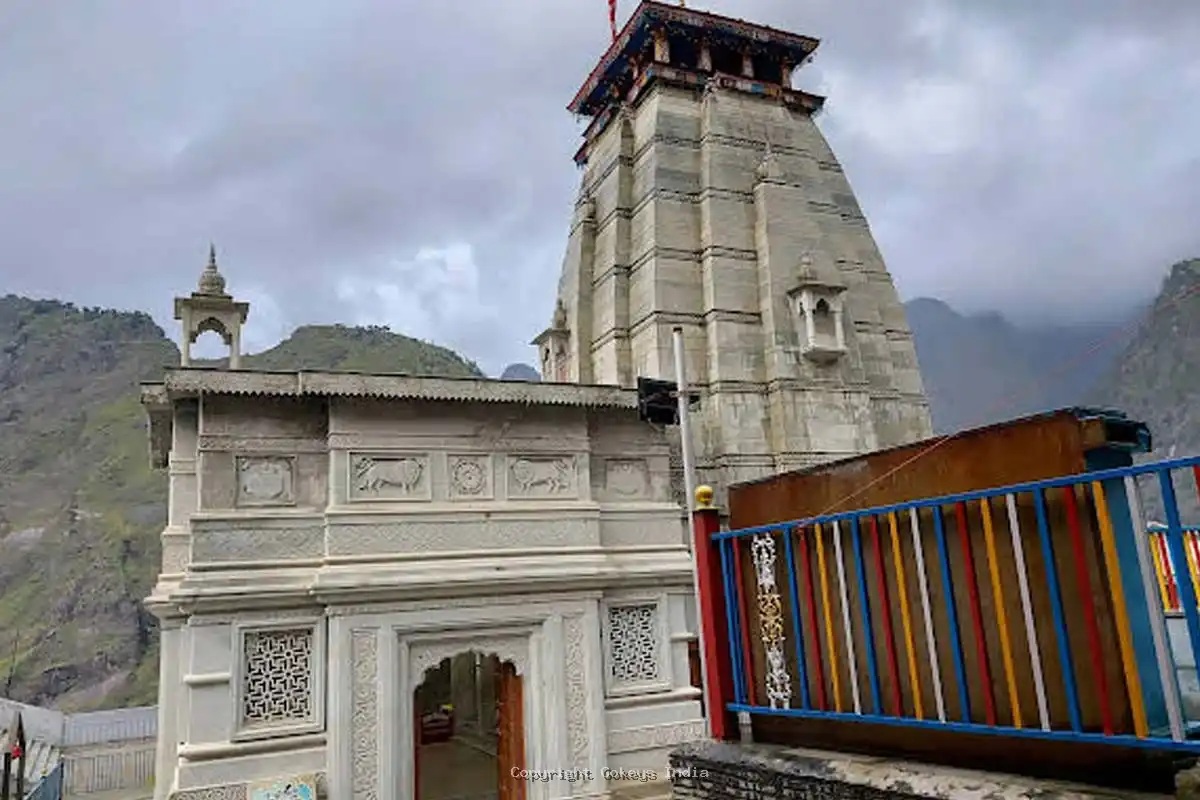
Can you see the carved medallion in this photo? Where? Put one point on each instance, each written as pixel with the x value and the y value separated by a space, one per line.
pixel 469 476
pixel 389 477
pixel 265 481
pixel 626 477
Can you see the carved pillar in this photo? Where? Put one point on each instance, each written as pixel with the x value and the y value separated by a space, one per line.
pixel 183 493
pixel 186 356
pixel 785 74
pixel 838 330
pixel 810 326
pixel 166 752
pixel 705 62
pixel 747 66
pixel 365 712
pixel 235 348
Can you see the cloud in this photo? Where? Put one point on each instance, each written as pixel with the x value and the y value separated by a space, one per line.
pixel 410 163
pixel 435 294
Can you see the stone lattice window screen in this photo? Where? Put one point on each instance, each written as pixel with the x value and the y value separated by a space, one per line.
pixel 633 644
pixel 277 677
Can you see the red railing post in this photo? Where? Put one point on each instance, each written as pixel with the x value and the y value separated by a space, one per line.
pixel 714 638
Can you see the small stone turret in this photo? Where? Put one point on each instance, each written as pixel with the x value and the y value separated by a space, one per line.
pixel 210 308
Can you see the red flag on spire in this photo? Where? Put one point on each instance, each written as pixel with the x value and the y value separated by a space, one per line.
pixel 612 17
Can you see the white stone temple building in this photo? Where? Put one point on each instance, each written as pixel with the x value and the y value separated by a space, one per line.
pixel 389 587
pixel 336 539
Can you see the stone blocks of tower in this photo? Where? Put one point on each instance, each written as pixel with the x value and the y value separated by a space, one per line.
pixel 718 207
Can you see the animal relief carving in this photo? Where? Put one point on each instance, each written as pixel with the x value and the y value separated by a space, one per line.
pixel 265 481
pixel 400 477
pixel 541 477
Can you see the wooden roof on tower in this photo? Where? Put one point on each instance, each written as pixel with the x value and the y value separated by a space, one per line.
pixel 633 39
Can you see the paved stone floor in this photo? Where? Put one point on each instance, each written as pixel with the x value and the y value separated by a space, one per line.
pixel 456 770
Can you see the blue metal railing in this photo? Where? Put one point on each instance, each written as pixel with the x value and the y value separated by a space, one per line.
pixel 1090 583
pixel 50 787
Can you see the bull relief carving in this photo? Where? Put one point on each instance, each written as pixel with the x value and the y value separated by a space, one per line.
pixel 266 481
pixel 541 476
pixel 403 477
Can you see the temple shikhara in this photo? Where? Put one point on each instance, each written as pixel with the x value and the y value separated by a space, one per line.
pixel 711 201
pixel 385 587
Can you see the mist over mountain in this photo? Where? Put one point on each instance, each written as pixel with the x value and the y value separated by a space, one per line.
pixel 981 368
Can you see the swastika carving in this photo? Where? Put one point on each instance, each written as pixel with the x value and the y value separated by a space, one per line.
pixel 277 677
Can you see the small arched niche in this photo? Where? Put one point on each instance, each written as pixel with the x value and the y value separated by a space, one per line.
pixel 818 318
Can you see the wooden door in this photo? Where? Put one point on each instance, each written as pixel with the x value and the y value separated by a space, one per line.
pixel 416 726
pixel 510 745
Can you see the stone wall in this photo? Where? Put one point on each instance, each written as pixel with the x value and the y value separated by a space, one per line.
pixel 723 771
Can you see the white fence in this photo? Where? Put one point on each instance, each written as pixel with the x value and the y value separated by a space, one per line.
pixel 108 750
pixel 102 751
pixel 121 724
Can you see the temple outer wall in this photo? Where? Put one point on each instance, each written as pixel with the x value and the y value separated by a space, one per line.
pixel 313 533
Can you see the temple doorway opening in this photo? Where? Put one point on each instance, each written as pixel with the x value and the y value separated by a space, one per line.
pixel 470 738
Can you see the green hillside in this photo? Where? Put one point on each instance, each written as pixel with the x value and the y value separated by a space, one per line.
pixel 80 508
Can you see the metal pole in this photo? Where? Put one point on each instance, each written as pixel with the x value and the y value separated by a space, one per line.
pixel 685 428
pixel 689 483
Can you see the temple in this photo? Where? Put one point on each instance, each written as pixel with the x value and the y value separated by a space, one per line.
pixel 385 587
pixel 710 201
pixel 397 587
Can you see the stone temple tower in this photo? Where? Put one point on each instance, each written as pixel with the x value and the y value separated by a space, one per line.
pixel 711 201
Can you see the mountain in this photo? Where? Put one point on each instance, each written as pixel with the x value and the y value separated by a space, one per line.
pixel 981 368
pixel 367 349
pixel 1157 380
pixel 80 508
pixel 520 372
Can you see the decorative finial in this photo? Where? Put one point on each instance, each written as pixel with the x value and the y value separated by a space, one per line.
pixel 560 316
pixel 211 280
pixel 704 497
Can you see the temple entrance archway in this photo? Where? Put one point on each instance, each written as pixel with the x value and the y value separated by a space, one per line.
pixel 469 730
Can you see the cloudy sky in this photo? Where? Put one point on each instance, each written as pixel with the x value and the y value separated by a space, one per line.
pixel 409 163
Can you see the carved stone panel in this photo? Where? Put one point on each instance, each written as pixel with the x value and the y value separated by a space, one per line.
pixel 627 478
pixel 266 481
pixel 633 644
pixel 544 477
pixel 425 655
pixel 364 715
pixel 577 710
pixel 223 792
pixel 277 678
pixel 470 477
pixel 212 545
pixel 389 477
